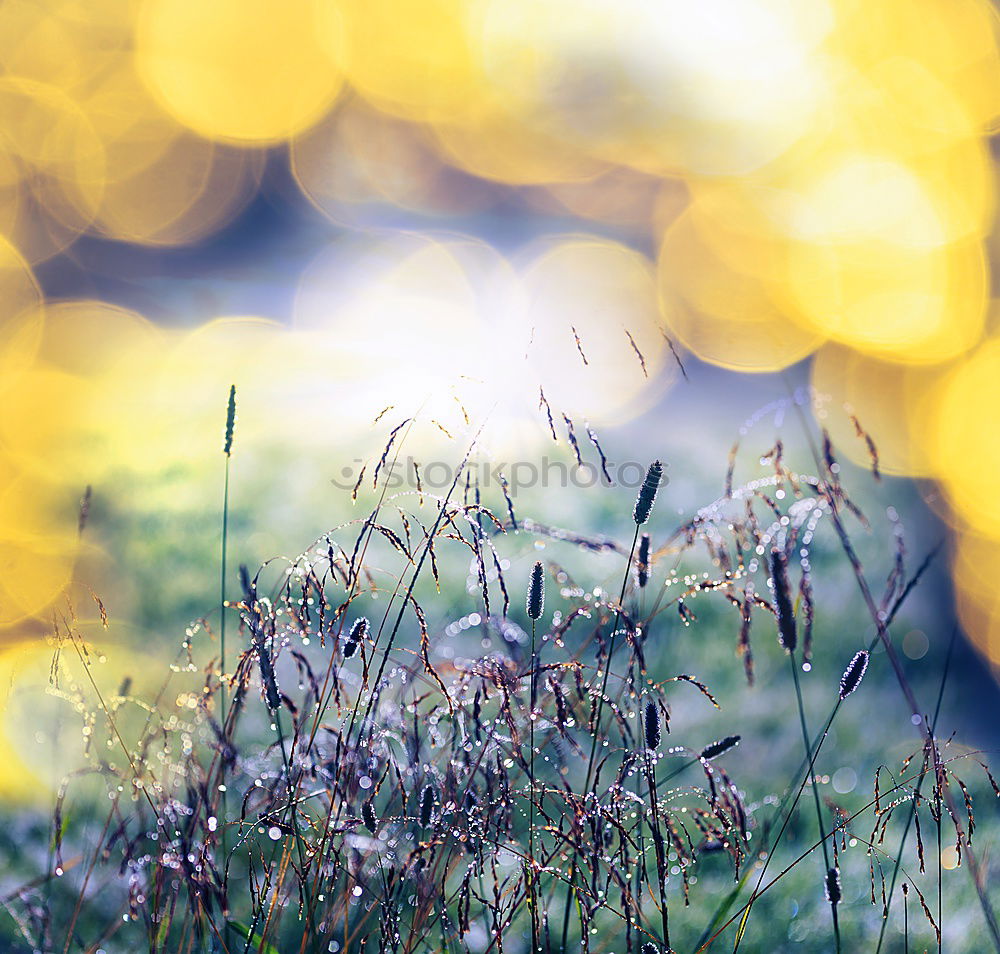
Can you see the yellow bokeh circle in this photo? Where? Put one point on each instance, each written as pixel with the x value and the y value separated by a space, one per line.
pixel 962 441
pixel 249 71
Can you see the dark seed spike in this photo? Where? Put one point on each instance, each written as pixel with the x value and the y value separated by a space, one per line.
pixel 638 353
pixel 271 694
pixel 643 562
pixel 651 724
pixel 426 805
pixel 647 493
pixel 536 591
pixel 571 437
pixel 677 357
pixel 808 615
pixel 245 583
pixel 782 600
pixel 730 470
pixel 715 749
pixel 562 709
pixel 509 501
pixel 831 886
pixel 649 948
pixel 230 421
pixel 543 403
pixel 592 434
pixel 388 447
pixel 357 485
pixel 579 345
pixel 854 673
pixel 84 512
pixel 358 632
pixel 368 816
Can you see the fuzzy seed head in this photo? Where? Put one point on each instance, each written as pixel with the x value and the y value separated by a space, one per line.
pixel 715 749
pixel 358 632
pixel 562 710
pixel 831 886
pixel 783 601
pixel 368 815
pixel 426 805
pixel 271 694
pixel 647 493
pixel 854 673
pixel 651 724
pixel 643 564
pixel 230 421
pixel 536 591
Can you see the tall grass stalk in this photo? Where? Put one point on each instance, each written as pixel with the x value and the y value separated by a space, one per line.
pixel 227 449
pixel 914 801
pixel 596 728
pixel 606 671
pixel 815 789
pixel 534 606
pixel 831 488
pixel 900 786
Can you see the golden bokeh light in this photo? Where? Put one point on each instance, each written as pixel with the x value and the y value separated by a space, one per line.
pixel 248 71
pixel 956 41
pixel 497 144
pixel 19 290
pixel 359 161
pixel 960 443
pixel 724 314
pixel 887 299
pixel 772 182
pixel 411 58
pixel 60 157
pixel 594 300
pixel 891 402
pixel 975 565
pixel 185 194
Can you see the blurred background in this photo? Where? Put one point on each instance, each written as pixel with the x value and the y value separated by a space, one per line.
pixel 670 216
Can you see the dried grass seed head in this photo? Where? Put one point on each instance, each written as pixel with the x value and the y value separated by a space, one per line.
pixel 714 749
pixel 647 493
pixel 271 694
pixel 426 805
pixel 651 725
pixel 358 632
pixel 854 673
pixel 643 563
pixel 536 591
pixel 787 635
pixel 831 886
pixel 230 421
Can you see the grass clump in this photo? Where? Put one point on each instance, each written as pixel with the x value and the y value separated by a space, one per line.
pixel 389 774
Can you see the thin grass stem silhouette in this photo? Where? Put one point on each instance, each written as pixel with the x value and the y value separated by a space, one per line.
pixel 913 803
pixel 815 789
